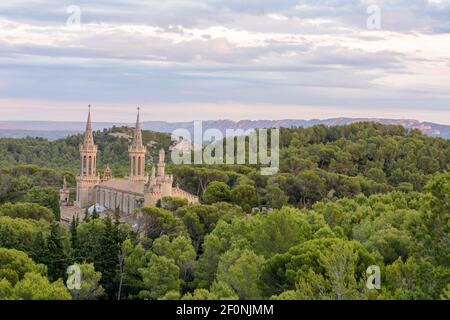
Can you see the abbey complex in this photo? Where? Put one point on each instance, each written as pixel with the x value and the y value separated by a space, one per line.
pixel 136 190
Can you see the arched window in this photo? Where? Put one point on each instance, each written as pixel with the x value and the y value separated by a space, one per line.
pixel 139 166
pixel 84 165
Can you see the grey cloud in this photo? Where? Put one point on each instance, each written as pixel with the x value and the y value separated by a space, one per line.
pixel 400 15
pixel 126 67
pixel 357 58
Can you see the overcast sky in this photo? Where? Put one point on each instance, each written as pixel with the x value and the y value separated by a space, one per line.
pixel 217 59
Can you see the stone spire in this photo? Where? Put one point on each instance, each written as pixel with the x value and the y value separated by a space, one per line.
pixel 137 139
pixel 161 163
pixel 88 134
pixel 107 174
pixel 87 179
pixel 136 152
pixel 88 151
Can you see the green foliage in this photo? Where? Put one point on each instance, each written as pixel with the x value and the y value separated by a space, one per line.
pixel 17 180
pixel 64 153
pixel 15 264
pixel 345 198
pixel 26 211
pixel 280 230
pixel 196 179
pixel 180 250
pixel 173 203
pixel 23 279
pixel 240 269
pixel 19 233
pixel 90 284
pixel 95 214
pixel 100 243
pixel 156 222
pixel 245 196
pixel 201 219
pixel 90 235
pixel 217 192
pixel 75 243
pixel 438 220
pixel 275 197
pixel 446 293
pixel 160 276
pixel 135 258
pixel 37 287
pixel 339 279
pixel 107 261
pixel 219 291
pixel 312 263
pixel 58 257
pixel 47 197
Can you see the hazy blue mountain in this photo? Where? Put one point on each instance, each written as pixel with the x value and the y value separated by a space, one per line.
pixel 55 130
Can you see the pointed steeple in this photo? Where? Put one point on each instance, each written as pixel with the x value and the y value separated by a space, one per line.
pixel 107 174
pixel 137 139
pixel 162 156
pixel 87 178
pixel 161 163
pixel 136 152
pixel 88 134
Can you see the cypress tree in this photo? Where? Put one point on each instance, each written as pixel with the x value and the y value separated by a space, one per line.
pixel 74 239
pixel 117 216
pixel 95 214
pixel 39 249
pixel 86 215
pixel 108 261
pixel 54 203
pixel 58 260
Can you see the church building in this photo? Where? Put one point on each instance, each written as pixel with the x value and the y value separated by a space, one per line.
pixel 126 194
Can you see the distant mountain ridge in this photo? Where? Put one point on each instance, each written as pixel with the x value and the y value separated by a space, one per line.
pixel 54 130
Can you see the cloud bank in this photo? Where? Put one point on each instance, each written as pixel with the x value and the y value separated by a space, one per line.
pixel 185 60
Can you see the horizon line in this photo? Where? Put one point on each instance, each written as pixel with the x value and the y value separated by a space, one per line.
pixel 234 121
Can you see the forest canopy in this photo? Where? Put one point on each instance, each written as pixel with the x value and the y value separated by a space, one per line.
pixel 345 198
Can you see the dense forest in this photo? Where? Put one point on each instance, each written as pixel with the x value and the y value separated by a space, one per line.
pixel 345 198
pixel 64 154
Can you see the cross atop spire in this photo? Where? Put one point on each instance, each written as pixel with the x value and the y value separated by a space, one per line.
pixel 88 135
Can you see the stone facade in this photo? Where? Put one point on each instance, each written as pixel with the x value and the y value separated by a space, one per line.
pixel 125 194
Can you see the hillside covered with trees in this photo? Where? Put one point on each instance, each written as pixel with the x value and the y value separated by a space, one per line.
pixel 63 154
pixel 345 198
